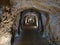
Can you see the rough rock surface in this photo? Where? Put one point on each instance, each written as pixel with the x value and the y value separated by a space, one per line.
pixel 52 26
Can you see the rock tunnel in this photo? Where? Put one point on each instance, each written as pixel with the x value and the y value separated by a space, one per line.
pixel 30 22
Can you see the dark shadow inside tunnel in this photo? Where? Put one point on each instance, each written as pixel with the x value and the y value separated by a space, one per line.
pixel 33 15
pixel 30 29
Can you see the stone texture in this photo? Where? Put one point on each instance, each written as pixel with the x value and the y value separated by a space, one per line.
pixel 51 7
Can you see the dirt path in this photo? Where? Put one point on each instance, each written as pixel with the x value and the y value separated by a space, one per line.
pixel 31 38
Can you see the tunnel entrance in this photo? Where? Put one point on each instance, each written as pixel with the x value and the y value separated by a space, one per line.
pixel 30 29
pixel 30 19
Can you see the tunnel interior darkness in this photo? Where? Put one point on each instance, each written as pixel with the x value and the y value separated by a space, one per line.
pixel 30 13
pixel 30 31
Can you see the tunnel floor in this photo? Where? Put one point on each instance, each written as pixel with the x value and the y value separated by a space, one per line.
pixel 30 38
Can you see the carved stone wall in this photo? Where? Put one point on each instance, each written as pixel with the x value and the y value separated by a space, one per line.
pixel 52 22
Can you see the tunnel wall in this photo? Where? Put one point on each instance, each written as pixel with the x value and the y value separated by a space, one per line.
pixel 51 7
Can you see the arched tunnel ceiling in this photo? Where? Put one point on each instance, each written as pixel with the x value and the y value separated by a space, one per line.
pixel 52 7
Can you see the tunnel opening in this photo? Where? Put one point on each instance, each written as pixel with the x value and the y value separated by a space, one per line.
pixel 30 31
pixel 25 17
